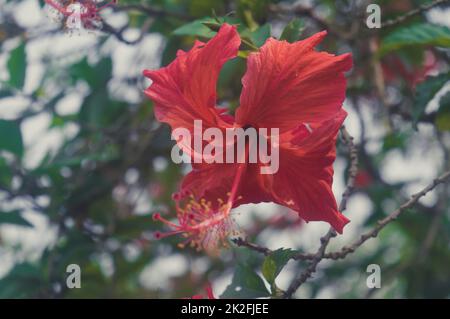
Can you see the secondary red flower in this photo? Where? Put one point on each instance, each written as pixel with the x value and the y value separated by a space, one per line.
pixel 395 68
pixel 209 293
pixel 287 86
pixel 87 11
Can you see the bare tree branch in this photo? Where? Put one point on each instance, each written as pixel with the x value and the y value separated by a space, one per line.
pixel 346 250
pixel 118 33
pixel 391 217
pixel 353 169
pixel 266 251
pixel 421 9
pixel 318 256
pixel 244 243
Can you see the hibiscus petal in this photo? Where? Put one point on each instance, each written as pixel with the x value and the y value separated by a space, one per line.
pixel 185 90
pixel 287 84
pixel 302 183
pixel 214 181
pixel 304 180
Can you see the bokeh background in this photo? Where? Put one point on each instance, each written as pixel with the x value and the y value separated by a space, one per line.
pixel 84 164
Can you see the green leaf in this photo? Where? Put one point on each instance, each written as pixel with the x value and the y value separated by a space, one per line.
pixel 425 91
pixel 200 8
pixel 204 27
pixel 17 66
pixel 5 173
pixel 246 284
pixel 260 35
pixel 5 93
pixel 255 39
pixel 133 226
pixel 14 218
pixel 293 30
pixel 97 76
pixel 11 137
pixel 170 50
pixel 269 268
pixel 397 140
pixel 99 110
pixel 275 262
pixel 196 28
pixel 442 120
pixel 424 34
pixel 253 11
pixel 25 280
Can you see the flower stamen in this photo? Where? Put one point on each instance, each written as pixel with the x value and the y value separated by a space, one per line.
pixel 204 225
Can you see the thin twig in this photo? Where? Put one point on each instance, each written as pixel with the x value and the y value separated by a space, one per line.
pixel 421 9
pixel 436 222
pixel 353 169
pixel 318 256
pixel 391 217
pixel 266 251
pixel 119 33
pixel 244 243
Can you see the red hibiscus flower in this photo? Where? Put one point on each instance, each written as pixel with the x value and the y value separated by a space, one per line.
pixel 287 86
